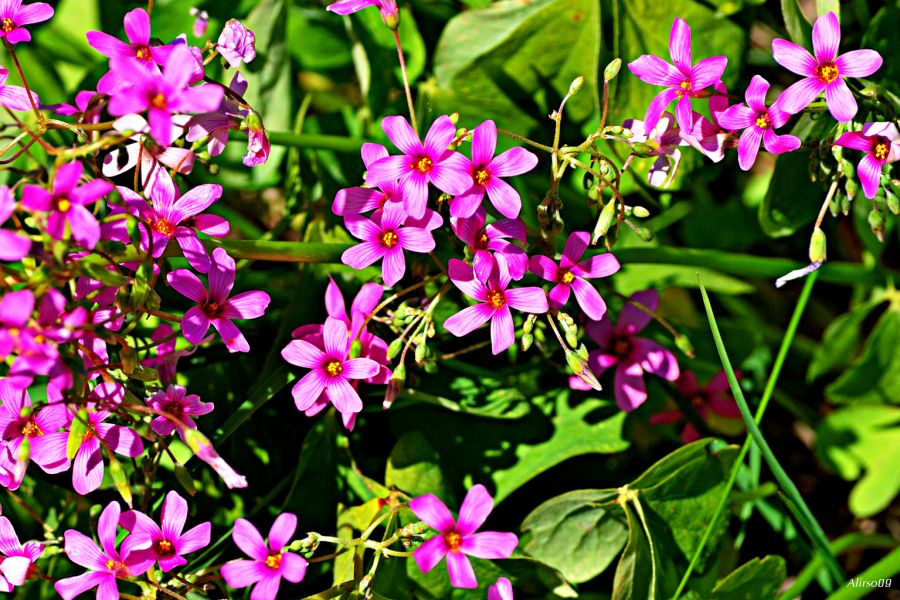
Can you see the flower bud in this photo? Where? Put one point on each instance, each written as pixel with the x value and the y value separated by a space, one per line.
pixel 876 222
pixel 421 352
pixel 893 203
pixel 527 341
pixel 684 344
pixel 582 352
pixel 355 348
pixel 395 385
pixel 817 246
pixel 604 221
pixel 644 233
pixel 394 348
pixel 528 326
pixel 612 69
pixel 852 188
pixel 183 476
pixel 642 150
pixel 576 85
pixel 258 146
pixel 582 370
pixel 640 212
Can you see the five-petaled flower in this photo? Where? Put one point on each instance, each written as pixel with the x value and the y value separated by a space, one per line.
pixel 825 71
pixel 270 562
pixel 759 124
pixel 571 275
pixel 179 407
pixel 215 307
pixel 137 30
pixel 881 143
pixel 683 81
pixel 456 539
pixel 165 542
pixel 13 16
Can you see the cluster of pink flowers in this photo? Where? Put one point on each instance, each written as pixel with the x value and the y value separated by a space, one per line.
pixel 756 120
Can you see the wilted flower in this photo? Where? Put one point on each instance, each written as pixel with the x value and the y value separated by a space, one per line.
pixel 258 147
pixel 662 142
pixel 236 43
pixel 881 143
pixel 215 125
pixel 201 21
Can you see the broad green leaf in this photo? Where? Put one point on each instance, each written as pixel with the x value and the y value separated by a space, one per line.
pixel 580 533
pixel 863 442
pixel 511 60
pixel 573 435
pixel 880 35
pixel 413 467
pixel 840 341
pixel 798 28
pixel 670 464
pixel 325 44
pixel 754 580
pixel 875 376
pixel 506 403
pixel 636 574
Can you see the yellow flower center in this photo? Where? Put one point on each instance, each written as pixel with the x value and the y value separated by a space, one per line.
pixel 762 121
pixel 827 72
pixel 567 277
pixel 158 100
pixel 389 239
pixel 453 541
pixel 881 150
pixel 422 165
pixel 31 429
pixel 164 548
pixel 334 368
pixel 686 86
pixel 481 177
pixel 273 561
pixel 8 25
pixel 143 53
pixel 496 298
pixel 164 227
pixel 117 568
pixel 63 205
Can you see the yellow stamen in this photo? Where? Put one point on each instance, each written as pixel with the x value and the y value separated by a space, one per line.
pixel 31 429
pixel 273 561
pixel 481 177
pixel 881 151
pixel 762 121
pixel 686 86
pixel 8 25
pixel 827 72
pixel 389 239
pixel 334 368
pixel 164 227
pixel 63 204
pixel 143 53
pixel 496 298
pixel 158 101
pixel 567 277
pixel 453 541
pixel 422 165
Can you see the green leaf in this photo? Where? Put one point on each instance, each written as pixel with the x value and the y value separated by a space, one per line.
pixel 798 28
pixel 413 466
pixel 670 464
pixel 792 200
pixel 77 430
pixel 863 442
pixel 580 533
pixel 498 62
pixel 636 572
pixel 875 376
pixel 840 341
pixel 880 36
pixel 573 435
pixel 754 580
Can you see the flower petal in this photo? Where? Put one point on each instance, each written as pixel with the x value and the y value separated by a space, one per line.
pixel 303 354
pixel 429 554
pixel 748 146
pixel 632 319
pixel 840 101
pixel 475 509
pixel 588 299
pixel 484 143
pixel 826 37
pixel 243 573
pixel 858 63
pixel 343 396
pixel 654 70
pixel 433 512
pixel 460 569
pixel 491 545
pixel 779 144
pixel 680 45
pixel 282 531
pixel 629 387
pixel 503 332
pixel 468 319
pixel 249 540
pixel 869 170
pixel 527 299
pixel 514 161
pixel 708 71
pixel 794 58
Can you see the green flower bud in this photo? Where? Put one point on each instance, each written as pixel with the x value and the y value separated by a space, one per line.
pixel 576 85
pixel 876 222
pixel 642 150
pixel 640 212
pixel 645 234
pixel 355 348
pixel 421 352
pixel 817 246
pixel 527 341
pixel 604 221
pixel 893 203
pixel 612 69
pixel 852 188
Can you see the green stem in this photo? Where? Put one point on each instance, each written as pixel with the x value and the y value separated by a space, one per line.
pixel 760 410
pixel 804 516
pixel 336 143
pixel 302 252
pixel 885 568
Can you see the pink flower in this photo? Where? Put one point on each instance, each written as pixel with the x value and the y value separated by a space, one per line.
pixel 215 125
pixel 215 307
pixel 358 200
pixel 270 564
pixel 386 235
pixel 105 564
pixel 388 8
pixel 203 449
pixel 331 369
pixel 172 217
pixel 481 239
pixel 236 43
pixel 486 171
pixel 421 164
pixel 632 356
pixel 683 81
pixel 880 142
pixel 67 204
pixel 759 124
pixel 502 590
pixel 13 16
pixel 163 94
pixel 711 400
pixel 176 402
pixel 824 72
pixel 137 30
pixel 13 246
pixel 458 539
pixel 17 561
pixel 663 140
pixel 166 544
pixel 201 21
pixel 15 97
pixel 258 146
pixel 571 275
pixel 709 136
pixel 494 300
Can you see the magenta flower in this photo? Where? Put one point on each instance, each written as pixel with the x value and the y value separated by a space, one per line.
pixel 201 22
pixel 358 200
pixel 236 44
pixel 880 142
pixel 331 369
pixel 759 124
pixel 163 94
pixel 215 306
pixel 269 562
pixel 502 590
pixel 494 300
pixel 137 30
pixel 67 204
pixel 204 450
pixel 15 97
pixel 176 402
pixel 386 235
pixel 105 564
pixel 20 421
pixel 709 136
pixel 633 356
pixel 215 125
pixel 421 164
pixel 388 8
pixel 683 80
pixel 825 71
pixel 481 239
pixel 13 16
pixel 258 147
pixel 17 561
pixel 172 217
pixel 458 539
pixel 13 246
pixel 166 544
pixel 711 401
pixel 486 171
pixel 663 141
pixel 571 275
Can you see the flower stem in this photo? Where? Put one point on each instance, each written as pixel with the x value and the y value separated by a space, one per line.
pixel 12 53
pixel 409 100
